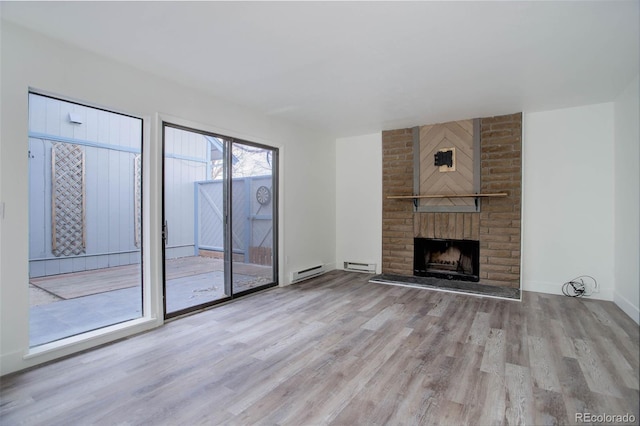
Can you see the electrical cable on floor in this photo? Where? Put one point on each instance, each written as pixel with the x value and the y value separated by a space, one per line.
pixel 577 287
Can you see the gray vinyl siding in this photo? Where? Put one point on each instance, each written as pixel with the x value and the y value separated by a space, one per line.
pixel 184 164
pixel 109 185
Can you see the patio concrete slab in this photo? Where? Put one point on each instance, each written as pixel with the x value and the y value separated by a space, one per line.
pixel 65 318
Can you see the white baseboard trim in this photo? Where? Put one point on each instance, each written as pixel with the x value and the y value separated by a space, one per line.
pixel 542 287
pixel 627 306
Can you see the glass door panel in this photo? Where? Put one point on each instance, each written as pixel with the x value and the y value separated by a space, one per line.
pixel 194 212
pixel 253 206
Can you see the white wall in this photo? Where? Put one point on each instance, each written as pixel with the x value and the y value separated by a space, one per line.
pixel 309 185
pixel 568 201
pixel 627 200
pixel 307 180
pixel 359 200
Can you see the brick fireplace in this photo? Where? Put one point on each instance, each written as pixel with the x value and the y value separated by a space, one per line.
pixel 496 226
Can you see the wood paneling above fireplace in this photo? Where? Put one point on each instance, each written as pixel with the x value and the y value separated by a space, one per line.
pixel 459 137
pixel 497 226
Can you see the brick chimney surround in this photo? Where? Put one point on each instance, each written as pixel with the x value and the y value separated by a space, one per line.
pixel 498 224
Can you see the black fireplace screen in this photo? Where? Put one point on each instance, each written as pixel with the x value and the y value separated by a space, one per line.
pixel 449 259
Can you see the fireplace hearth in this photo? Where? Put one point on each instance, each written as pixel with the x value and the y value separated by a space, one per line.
pixel 447 258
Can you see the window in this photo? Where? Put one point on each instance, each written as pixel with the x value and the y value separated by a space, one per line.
pixel 85 192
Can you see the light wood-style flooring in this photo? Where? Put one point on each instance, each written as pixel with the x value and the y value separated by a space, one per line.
pixel 340 350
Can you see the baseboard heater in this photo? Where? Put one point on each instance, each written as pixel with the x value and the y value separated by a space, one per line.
pixel 369 268
pixel 305 274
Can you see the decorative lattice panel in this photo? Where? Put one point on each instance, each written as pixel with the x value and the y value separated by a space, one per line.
pixel 68 200
pixel 137 183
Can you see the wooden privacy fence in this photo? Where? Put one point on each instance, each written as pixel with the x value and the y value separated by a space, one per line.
pixel 252 219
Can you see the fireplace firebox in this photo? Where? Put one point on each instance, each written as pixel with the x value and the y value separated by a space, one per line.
pixel 448 259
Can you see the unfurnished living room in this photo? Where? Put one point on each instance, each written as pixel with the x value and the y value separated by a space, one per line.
pixel 319 213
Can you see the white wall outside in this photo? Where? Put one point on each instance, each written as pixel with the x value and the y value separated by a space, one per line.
pixel 359 200
pixel 627 200
pixel 568 202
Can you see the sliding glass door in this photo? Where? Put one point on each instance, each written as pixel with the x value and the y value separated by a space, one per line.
pixel 219 209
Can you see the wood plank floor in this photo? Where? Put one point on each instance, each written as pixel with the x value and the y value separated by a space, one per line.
pixel 85 283
pixel 339 350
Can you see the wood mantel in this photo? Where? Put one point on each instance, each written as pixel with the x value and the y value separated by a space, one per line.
pixel 413 197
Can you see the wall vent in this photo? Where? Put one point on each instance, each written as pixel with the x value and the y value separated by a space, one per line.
pixel 369 268
pixel 307 273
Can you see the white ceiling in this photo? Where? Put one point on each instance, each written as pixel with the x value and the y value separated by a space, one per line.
pixel 352 68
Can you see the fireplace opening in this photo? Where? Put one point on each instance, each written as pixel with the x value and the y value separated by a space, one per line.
pixel 449 259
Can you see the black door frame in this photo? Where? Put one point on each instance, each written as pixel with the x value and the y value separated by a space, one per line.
pixel 228 222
